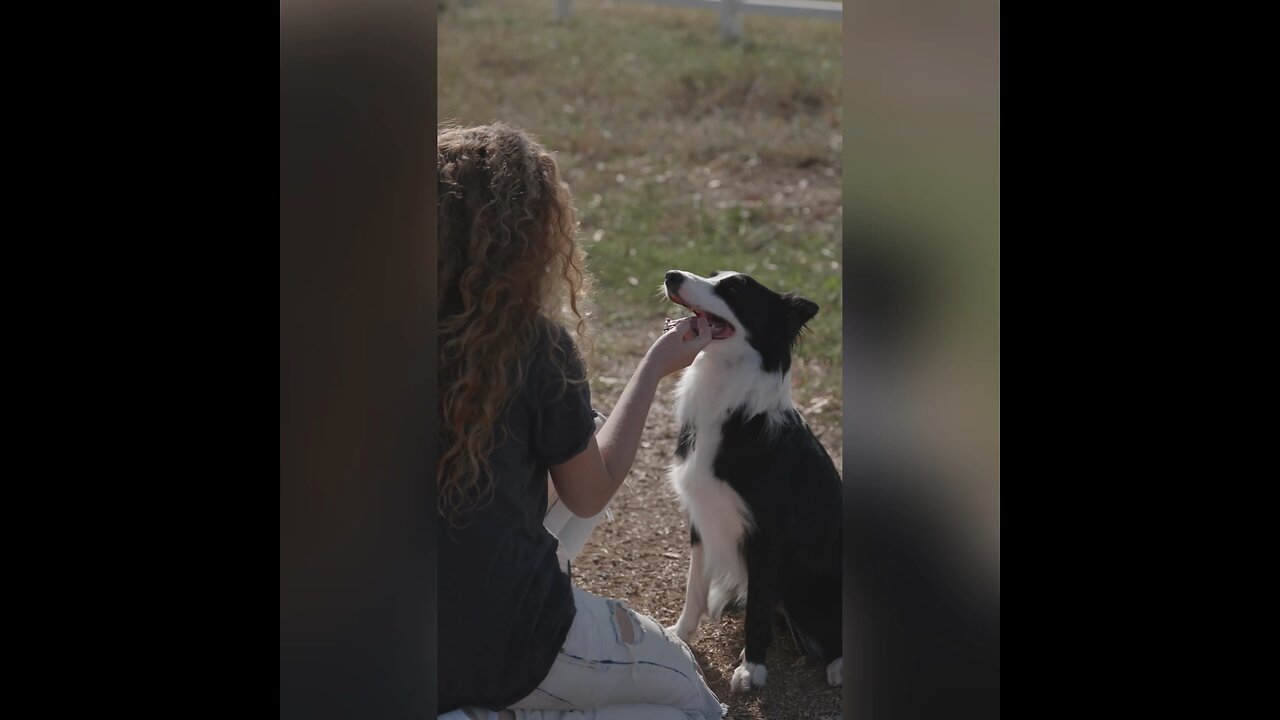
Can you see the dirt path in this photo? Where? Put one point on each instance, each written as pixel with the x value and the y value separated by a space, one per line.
pixel 642 556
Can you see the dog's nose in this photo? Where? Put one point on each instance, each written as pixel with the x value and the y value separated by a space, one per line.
pixel 674 278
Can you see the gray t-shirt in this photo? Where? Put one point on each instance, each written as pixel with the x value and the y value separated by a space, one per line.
pixel 505 606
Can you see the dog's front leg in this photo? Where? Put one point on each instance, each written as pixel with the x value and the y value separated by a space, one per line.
pixel 761 601
pixel 695 597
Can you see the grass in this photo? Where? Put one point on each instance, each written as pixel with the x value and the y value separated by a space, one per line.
pixel 682 152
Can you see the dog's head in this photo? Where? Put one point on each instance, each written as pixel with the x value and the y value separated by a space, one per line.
pixel 744 315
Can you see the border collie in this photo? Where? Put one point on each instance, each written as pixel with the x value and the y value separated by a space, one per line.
pixel 762 495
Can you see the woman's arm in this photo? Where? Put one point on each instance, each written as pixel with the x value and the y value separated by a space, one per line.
pixel 587 482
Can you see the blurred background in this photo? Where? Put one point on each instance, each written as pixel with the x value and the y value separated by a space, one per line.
pixel 922 358
pixel 682 151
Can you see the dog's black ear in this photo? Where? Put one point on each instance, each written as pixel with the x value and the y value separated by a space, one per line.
pixel 799 311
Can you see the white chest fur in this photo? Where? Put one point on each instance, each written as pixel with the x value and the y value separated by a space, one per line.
pixel 708 393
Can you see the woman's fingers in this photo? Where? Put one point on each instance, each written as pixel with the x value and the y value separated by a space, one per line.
pixel 699 330
pixel 694 328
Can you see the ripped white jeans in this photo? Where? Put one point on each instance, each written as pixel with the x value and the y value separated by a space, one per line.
pixel 617 664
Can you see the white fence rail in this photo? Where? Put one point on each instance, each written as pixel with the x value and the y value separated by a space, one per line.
pixel 731 11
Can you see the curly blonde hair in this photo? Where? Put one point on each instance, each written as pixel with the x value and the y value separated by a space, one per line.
pixel 508 262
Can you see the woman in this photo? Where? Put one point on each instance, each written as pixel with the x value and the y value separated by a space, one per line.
pixel 515 637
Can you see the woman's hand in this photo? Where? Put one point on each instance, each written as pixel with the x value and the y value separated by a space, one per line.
pixel 588 481
pixel 677 347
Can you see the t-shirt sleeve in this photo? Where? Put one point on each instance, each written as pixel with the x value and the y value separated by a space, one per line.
pixel 564 420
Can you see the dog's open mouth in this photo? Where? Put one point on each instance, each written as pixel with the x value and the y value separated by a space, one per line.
pixel 720 328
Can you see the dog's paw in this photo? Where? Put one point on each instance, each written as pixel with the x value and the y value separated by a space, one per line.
pixel 835 672
pixel 687 632
pixel 748 676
